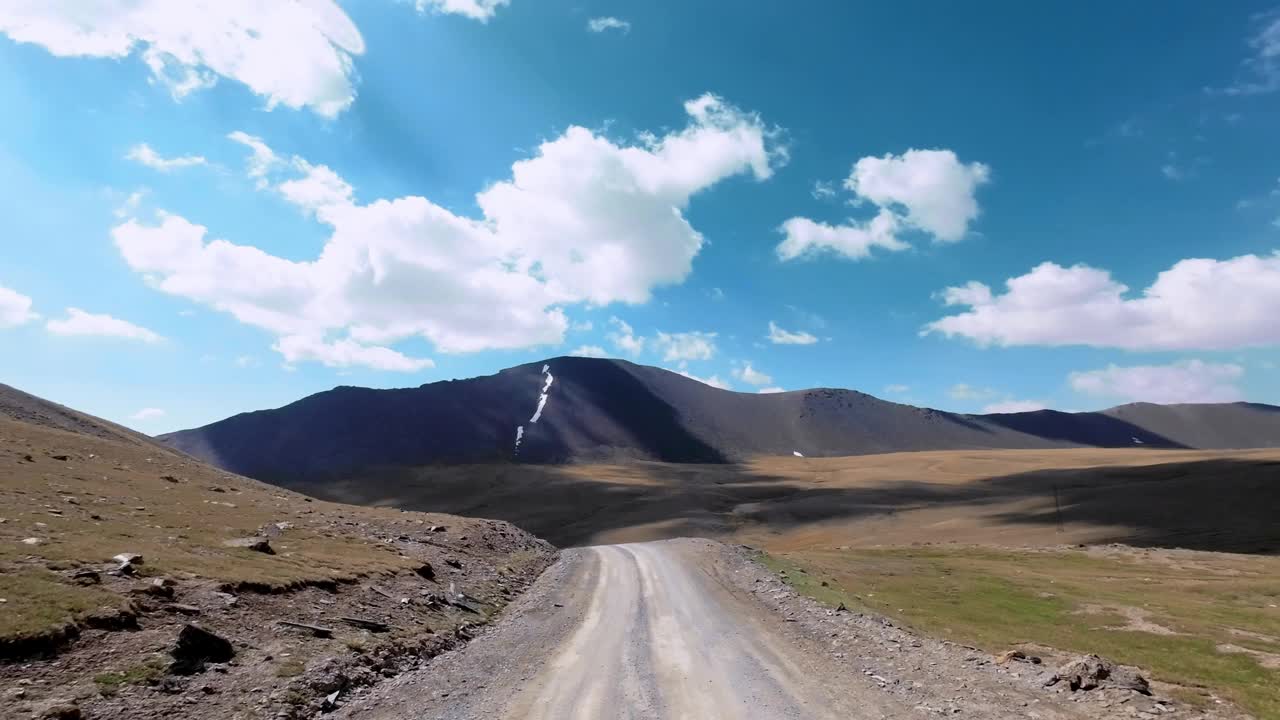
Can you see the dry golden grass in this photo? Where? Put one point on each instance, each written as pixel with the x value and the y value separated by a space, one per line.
pixel 1200 499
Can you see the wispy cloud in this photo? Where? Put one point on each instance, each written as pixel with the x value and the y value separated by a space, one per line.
pixel 144 154
pixel 602 24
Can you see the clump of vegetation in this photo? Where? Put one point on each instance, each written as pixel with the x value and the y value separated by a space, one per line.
pixel 290 667
pixel 141 674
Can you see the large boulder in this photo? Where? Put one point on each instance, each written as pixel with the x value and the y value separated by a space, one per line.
pixel 197 646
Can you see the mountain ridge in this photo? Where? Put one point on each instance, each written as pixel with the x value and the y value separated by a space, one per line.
pixel 606 409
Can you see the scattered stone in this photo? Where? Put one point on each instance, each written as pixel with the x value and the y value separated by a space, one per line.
pixel 128 558
pixel 426 572
pixel 170 478
pixel 437 528
pixel 330 701
pixel 32 541
pixel 316 630
pixel 370 625
pixel 182 609
pixel 28 458
pixel 60 710
pixel 197 646
pixel 62 458
pixel 256 544
pixel 1089 672
pixel 274 530
pixel 158 587
pixel 86 577
pixel 1009 656
pixel 456 564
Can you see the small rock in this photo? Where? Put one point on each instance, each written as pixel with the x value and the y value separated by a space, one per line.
pixel 183 609
pixel 128 558
pixel 330 701
pixel 1009 656
pixel 63 458
pixel 86 577
pixel 256 544
pixel 158 587
pixel 32 541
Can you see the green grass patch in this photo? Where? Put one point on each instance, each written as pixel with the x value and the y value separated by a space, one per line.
pixel 143 673
pixel 1075 601
pixel 37 601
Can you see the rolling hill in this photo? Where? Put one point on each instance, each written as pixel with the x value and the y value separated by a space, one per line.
pixel 571 409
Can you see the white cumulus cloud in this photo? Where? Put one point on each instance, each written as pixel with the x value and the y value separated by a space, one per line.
pixel 770 390
pixel 79 322
pixel 482 10
pixel 852 240
pixel 296 53
pixel 927 190
pixel 685 345
pixel 624 338
pixel 1198 304
pixel 148 414
pixel 144 154
pixel 1187 382
pixel 601 24
pixel 779 336
pixel 15 308
pixel 584 221
pixel 749 375
pixel 346 353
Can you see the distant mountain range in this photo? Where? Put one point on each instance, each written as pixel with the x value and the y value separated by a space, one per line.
pixel 585 409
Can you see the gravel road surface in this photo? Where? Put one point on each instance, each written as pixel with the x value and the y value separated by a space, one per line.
pixel 692 629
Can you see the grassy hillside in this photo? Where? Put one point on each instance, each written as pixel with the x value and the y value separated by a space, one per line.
pixel 81 632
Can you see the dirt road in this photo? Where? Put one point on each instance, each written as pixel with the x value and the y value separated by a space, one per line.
pixel 690 629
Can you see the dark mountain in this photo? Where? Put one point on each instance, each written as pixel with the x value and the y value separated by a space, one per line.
pixel 611 409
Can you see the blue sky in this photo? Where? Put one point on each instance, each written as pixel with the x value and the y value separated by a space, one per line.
pixel 212 209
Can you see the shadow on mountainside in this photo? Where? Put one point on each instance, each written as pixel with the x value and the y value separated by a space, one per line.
pixel 1219 505
pixel 1087 429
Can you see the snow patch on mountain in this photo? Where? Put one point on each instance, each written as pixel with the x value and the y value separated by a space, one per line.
pixel 548 378
pixel 546 392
